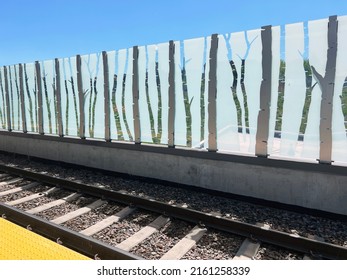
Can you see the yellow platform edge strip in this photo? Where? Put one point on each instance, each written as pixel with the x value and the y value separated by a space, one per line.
pixel 18 243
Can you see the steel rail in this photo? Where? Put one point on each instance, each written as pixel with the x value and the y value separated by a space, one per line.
pixel 282 239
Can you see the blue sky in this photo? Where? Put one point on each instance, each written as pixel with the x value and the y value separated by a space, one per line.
pixel 39 30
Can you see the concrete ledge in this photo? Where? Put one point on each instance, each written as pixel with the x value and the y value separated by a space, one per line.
pixel 315 186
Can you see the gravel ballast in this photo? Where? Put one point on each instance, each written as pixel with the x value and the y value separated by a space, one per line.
pixel 213 245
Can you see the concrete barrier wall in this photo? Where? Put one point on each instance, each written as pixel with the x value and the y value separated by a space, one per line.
pixel 315 186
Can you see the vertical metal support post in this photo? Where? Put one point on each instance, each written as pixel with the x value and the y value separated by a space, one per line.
pixel 136 111
pixel 106 97
pixel 80 96
pixel 171 120
pixel 212 95
pixel 39 96
pixel 58 95
pixel 8 105
pixel 262 135
pixel 22 100
pixel 327 84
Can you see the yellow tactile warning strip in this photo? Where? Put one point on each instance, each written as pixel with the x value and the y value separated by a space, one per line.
pixel 17 243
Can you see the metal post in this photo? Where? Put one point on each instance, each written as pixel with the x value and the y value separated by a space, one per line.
pixel 171 120
pixel 22 102
pixel 212 95
pixel 80 96
pixel 327 84
pixel 106 97
pixel 262 135
pixel 136 111
pixel 58 95
pixel 8 105
pixel 39 96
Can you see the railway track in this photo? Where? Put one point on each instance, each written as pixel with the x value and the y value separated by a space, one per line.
pixel 98 237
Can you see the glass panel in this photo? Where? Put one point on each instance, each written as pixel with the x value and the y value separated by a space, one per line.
pixel 204 100
pixel 243 76
pixel 11 92
pixel 118 63
pixel 14 96
pixel 127 99
pixel 339 122
pixel 153 90
pixel 49 103
pixel 294 90
pixel 317 57
pixel 69 96
pixel 146 113
pixel 120 67
pixel 3 115
pixel 92 79
pixel 30 94
pixel 252 70
pixel 191 99
pixel 163 75
pixel 114 110
pixel 180 115
pixel 227 105
pixel 112 78
pixel 299 55
pixel 276 88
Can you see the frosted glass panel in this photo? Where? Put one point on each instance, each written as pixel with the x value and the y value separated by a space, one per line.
pixel 317 47
pixel 239 72
pixel 194 61
pixel 127 99
pixel 14 95
pixel 49 99
pixel 3 115
pixel 92 80
pixel 30 94
pixel 191 99
pixel 153 91
pixel 117 67
pixel 252 57
pixel 163 70
pixel 69 96
pixel 276 81
pixel 145 105
pixel 180 115
pixel 339 122
pixel 294 89
pixel 297 49
pixel 299 62
pixel 112 78
pixel 120 67
pixel 227 105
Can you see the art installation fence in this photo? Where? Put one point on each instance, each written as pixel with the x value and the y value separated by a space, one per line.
pixel 275 91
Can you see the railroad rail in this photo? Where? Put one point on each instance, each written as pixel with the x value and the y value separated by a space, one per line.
pixel 82 242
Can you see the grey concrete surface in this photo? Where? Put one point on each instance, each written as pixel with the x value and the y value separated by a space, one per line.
pixel 307 188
